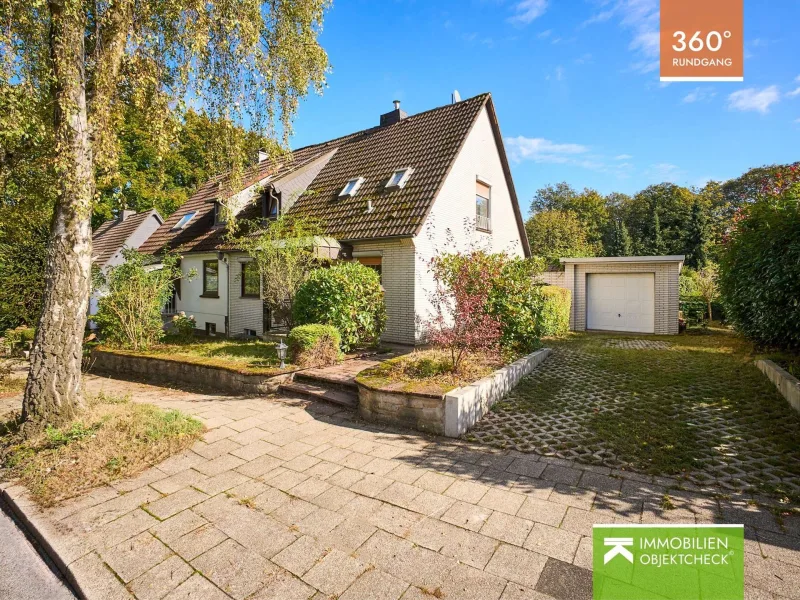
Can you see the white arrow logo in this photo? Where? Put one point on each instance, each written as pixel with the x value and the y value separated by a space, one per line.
pixel 619 547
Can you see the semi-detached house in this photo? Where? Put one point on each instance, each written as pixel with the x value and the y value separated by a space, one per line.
pixel 386 196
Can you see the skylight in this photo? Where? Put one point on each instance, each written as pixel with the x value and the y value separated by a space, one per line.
pixel 184 220
pixel 351 187
pixel 399 178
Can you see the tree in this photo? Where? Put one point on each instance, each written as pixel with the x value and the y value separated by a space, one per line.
pixel 697 237
pixel 618 241
pixel 706 282
pixel 588 206
pixel 554 234
pixel 241 59
pixel 656 245
pixel 672 204
pixel 285 255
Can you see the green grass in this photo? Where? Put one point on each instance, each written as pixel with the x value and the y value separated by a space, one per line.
pixel 113 439
pixel 672 411
pixel 243 356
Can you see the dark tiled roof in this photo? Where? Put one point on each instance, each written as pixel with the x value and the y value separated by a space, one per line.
pixel 427 142
pixel 112 235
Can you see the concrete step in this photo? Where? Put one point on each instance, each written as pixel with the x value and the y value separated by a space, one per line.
pixel 339 384
pixel 317 392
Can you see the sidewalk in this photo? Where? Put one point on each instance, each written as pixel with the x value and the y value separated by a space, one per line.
pixel 295 499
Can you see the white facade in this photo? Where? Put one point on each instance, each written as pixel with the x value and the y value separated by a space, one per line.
pixel 191 300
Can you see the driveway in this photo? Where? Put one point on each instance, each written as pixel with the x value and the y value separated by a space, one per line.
pixel 292 499
pixel 692 407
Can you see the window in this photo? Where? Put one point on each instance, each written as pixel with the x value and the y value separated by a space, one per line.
pixel 251 280
pixel 271 205
pixel 351 187
pixel 483 197
pixel 211 279
pixel 399 178
pixel 211 329
pixel 184 220
pixel 250 333
pixel 219 214
pixel 374 263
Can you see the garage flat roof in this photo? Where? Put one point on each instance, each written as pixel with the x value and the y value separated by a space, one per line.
pixel 624 259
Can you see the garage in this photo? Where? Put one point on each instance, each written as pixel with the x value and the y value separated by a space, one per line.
pixel 621 302
pixel 636 294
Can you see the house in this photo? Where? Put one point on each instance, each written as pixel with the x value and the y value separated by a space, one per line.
pixel 129 230
pixel 386 197
pixel 633 294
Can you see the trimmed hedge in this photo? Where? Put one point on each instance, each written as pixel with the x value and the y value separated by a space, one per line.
pixel 554 318
pixel 314 345
pixel 16 339
pixel 348 296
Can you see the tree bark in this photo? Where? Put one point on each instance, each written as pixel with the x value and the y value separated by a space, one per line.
pixel 53 391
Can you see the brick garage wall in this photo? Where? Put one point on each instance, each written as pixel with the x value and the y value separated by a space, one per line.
pixel 556 278
pixel 666 291
pixel 245 313
pixel 397 267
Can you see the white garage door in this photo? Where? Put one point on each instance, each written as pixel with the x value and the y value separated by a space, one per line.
pixel 617 302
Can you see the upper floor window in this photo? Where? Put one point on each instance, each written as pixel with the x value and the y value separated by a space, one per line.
pixel 184 221
pixel 351 187
pixel 219 214
pixel 271 206
pixel 211 278
pixel 483 200
pixel 399 178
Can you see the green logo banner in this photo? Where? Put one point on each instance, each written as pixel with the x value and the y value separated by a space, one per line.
pixel 668 562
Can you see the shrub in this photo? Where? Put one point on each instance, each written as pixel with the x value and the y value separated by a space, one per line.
pixel 516 299
pixel 314 345
pixel 183 327
pixel 687 282
pixel 17 339
pixel 554 317
pixel 694 309
pixel 759 276
pixel 129 314
pixel 348 296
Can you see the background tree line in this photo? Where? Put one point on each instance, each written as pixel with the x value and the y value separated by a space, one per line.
pixel 662 219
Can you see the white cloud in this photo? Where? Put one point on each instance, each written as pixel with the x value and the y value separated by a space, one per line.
pixel 558 74
pixel 699 94
pixel 663 171
pixel 600 17
pixel 528 11
pixel 641 17
pixel 794 93
pixel 540 150
pixel 584 59
pixel 544 34
pixel 623 157
pixel 754 99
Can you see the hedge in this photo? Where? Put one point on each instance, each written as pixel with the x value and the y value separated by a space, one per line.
pixel 348 296
pixel 314 345
pixel 16 340
pixel 554 318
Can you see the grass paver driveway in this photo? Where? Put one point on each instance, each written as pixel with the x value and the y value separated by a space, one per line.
pixel 692 407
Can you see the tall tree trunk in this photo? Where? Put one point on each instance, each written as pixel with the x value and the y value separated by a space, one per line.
pixel 53 391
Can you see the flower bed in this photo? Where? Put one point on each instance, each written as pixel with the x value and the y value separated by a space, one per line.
pixel 415 390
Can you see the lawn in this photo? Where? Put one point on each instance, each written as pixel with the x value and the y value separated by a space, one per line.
pixel 253 357
pixel 691 406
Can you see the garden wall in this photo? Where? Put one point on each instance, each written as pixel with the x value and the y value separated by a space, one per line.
pixel 787 384
pixel 452 414
pixel 157 370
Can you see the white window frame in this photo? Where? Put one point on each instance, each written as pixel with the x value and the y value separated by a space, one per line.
pixel 488 217
pixel 181 224
pixel 406 171
pixel 356 181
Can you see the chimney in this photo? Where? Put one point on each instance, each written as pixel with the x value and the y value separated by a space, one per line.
pixel 393 117
pixel 125 213
pixel 262 156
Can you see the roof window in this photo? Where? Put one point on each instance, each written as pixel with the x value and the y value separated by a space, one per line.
pixel 399 178
pixel 184 220
pixel 351 187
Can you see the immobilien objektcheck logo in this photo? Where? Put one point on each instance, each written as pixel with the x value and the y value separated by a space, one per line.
pixel 675 562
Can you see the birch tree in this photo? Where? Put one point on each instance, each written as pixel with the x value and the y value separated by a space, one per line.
pixel 249 61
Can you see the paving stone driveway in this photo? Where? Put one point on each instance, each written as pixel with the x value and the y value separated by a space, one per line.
pixel 292 499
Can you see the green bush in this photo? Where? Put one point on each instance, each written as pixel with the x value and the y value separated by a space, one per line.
pixel 17 339
pixel 694 309
pixel 314 345
pixel 759 277
pixel 182 327
pixel 516 299
pixel 554 318
pixel 348 296
pixel 687 282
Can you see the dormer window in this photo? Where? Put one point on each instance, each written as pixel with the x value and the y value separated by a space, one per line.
pixel 219 214
pixel 351 187
pixel 399 178
pixel 184 221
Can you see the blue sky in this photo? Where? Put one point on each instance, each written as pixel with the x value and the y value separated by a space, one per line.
pixel 575 84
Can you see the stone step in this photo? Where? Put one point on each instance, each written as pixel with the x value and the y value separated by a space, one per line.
pixel 316 392
pixel 347 385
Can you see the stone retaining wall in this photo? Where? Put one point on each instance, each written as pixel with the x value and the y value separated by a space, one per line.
pixel 171 372
pixel 788 385
pixel 451 414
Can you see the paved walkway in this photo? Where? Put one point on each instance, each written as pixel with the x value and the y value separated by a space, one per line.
pixel 292 499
